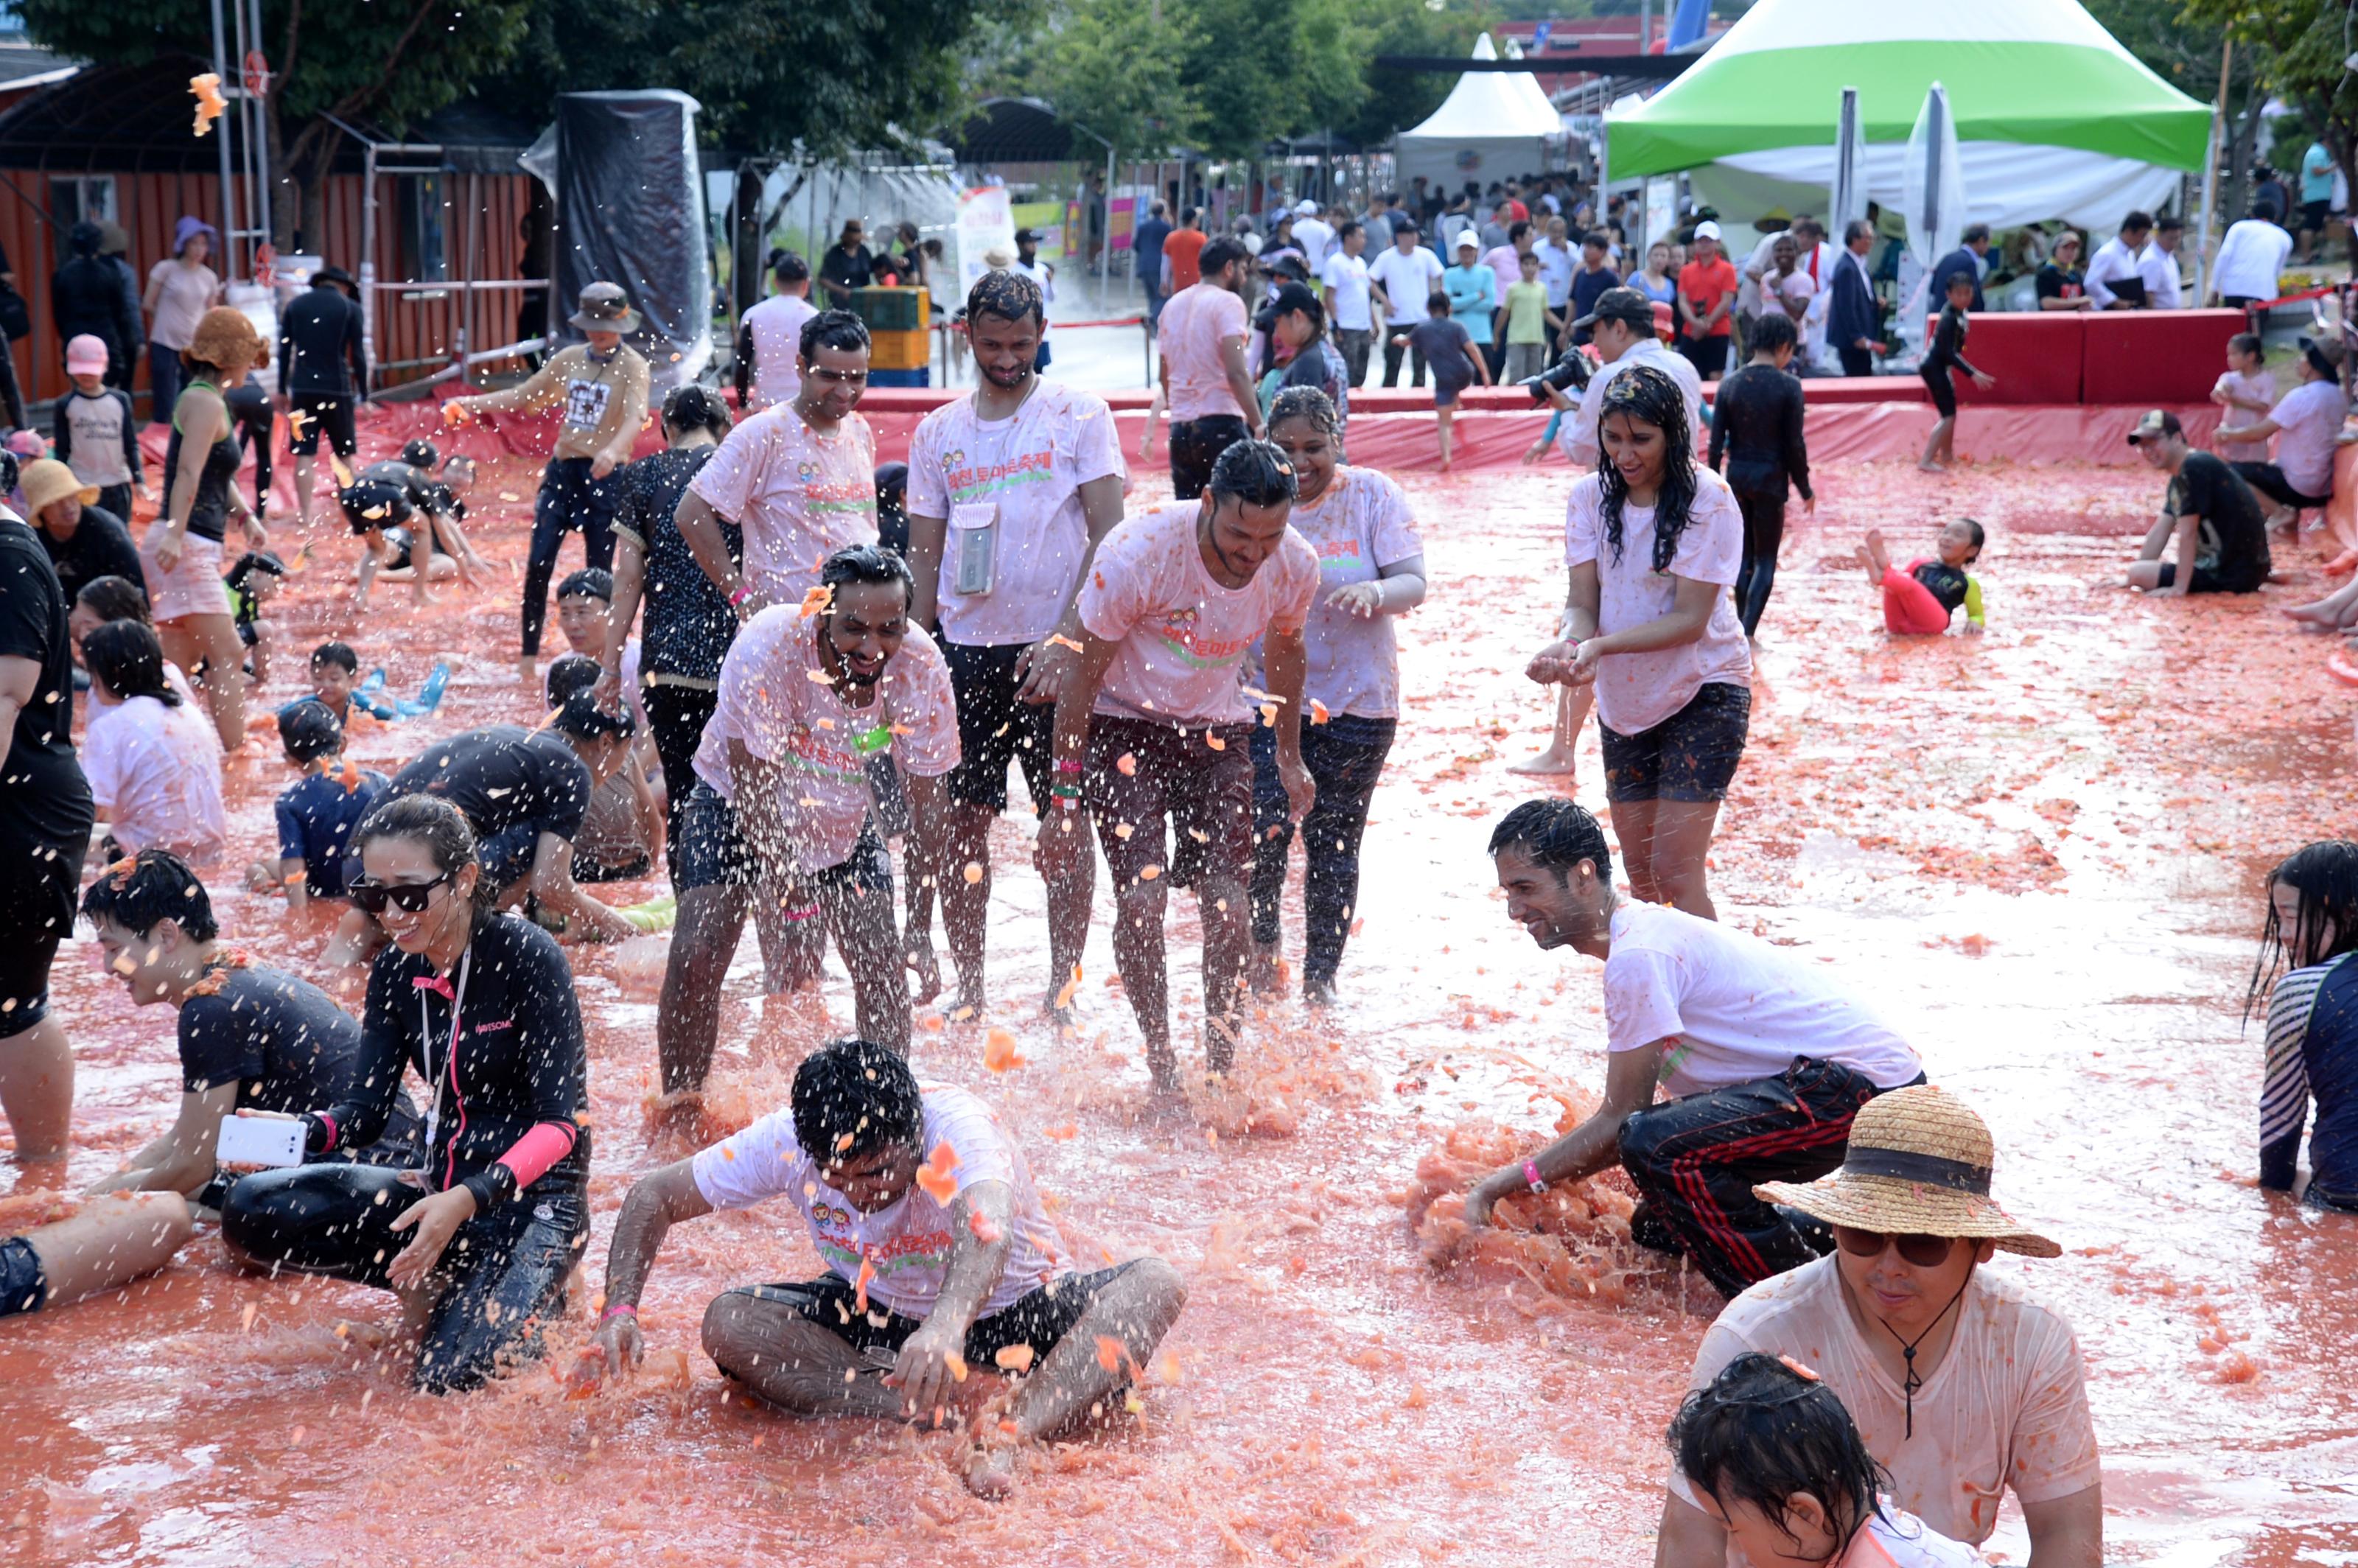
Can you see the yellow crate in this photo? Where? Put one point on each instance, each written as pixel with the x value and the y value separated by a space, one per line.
pixel 900 351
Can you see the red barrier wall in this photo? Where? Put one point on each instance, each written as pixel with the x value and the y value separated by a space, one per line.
pixel 2156 358
pixel 2035 359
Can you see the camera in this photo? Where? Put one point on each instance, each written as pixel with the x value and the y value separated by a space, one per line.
pixel 1568 375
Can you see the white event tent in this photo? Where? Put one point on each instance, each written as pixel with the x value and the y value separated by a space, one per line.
pixel 1494 124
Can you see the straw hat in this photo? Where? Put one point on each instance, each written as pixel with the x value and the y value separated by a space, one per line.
pixel 1919 1163
pixel 46 482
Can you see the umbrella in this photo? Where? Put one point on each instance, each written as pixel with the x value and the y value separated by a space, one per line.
pixel 1848 201
pixel 1935 183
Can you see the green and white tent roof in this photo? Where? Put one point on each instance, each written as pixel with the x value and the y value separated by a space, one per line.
pixel 2021 75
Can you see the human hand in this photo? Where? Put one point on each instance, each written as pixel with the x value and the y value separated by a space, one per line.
pixel 257 537
pixel 2175 591
pixel 434 1221
pixel 1301 789
pixel 1364 600
pixel 245 1168
pixel 458 411
pixel 1809 504
pixel 601 465
pixel 929 1366
pixel 752 604
pixel 167 551
pixel 1487 1193
pixel 1041 670
pixel 1550 663
pixel 1973 629
pixel 618 1342
pixel 1984 380
pixel 608 692
pixel 1062 838
pixel 1584 657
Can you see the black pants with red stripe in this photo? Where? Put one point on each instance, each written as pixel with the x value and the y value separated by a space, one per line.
pixel 1696 1161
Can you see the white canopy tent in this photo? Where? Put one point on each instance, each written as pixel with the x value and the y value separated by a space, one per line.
pixel 1494 124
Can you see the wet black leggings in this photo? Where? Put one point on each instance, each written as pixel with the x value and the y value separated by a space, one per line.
pixel 1764 534
pixel 501 1275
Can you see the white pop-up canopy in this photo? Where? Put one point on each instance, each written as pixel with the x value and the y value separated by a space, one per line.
pixel 1494 124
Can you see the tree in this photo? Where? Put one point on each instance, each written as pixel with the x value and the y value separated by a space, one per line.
pixel 2186 51
pixel 392 61
pixel 1096 64
pixel 2297 48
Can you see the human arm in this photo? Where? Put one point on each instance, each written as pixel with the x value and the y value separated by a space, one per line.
pixel 2187 531
pixel 180 1161
pixel 928 538
pixel 1688 1537
pixel 2098 275
pixel 1397 590
pixel 930 1362
pixel 928 863
pixel 1069 745
pixel 61 431
pixel 1594 1145
pixel 629 585
pixel 1286 662
pixel 553 885
pixel 153 294
pixel 356 348
pixel 699 525
pixel 538 391
pixel 198 409
pixel 657 1201
pixel 1480 360
pixel 1689 614
pixel 1045 665
pixel 2257 432
pixel 1795 419
pixel 2284 1082
pixel 1975 622
pixel 1718 428
pixel 1241 382
pixel 629 423
pixel 744 367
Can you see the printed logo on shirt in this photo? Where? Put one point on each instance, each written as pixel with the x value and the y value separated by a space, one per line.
pixel 495 1025
pixel 826 1214
pixel 848 495
pixel 585 403
pixel 967 481
pixel 1180 634
pixel 1337 550
pixel 1675 1058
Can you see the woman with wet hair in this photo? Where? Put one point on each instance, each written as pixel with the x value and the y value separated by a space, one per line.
pixel 2312 1045
pixel 1371 568
pixel 1654 541
pixel 479 1242
pixel 153 761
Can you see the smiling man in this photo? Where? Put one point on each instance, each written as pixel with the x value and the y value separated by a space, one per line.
pixel 941 1263
pixel 1765 1061
pixel 1964 1386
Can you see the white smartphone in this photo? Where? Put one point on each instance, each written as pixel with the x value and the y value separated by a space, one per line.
pixel 258 1141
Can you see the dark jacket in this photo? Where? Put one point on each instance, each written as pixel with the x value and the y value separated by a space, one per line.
pixel 1852 315
pixel 87 295
pixel 1960 260
pixel 318 332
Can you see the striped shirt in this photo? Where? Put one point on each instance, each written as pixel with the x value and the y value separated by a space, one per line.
pixel 2312 1054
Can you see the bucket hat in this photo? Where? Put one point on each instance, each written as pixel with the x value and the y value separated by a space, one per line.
pixel 605 308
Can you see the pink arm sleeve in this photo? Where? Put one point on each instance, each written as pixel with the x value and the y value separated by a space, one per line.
pixel 529 1157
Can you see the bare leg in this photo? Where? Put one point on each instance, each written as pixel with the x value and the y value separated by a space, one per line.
pixel 966 905
pixel 213 638
pixel 1070 895
pixel 688 1022
pixel 1227 931
pixel 1445 413
pixel 303 511
pixel 1138 954
pixel 113 1239
pixel 792 1362
pixel 1571 705
pixel 1135 1312
pixel 1877 557
pixel 2333 610
pixel 1931 462
pixel 792 948
pixel 1664 843
pixel 37 1085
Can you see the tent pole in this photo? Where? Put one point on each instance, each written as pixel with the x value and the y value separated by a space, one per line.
pixel 2210 174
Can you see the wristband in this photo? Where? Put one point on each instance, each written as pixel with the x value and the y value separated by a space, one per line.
pixel 1531 1176
pixel 618 1308
pixel 1069 766
pixel 1064 791
pixel 744 592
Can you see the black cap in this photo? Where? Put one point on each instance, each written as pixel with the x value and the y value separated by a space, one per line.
pixel 1292 298
pixel 420 453
pixel 309 731
pixel 2158 423
pixel 1027 236
pixel 1623 304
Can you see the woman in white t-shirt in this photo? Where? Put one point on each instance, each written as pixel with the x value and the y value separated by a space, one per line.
pixel 153 760
pixel 180 289
pixel 1653 540
pixel 1370 568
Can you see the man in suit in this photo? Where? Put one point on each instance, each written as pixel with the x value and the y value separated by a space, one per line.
pixel 1965 259
pixel 1853 320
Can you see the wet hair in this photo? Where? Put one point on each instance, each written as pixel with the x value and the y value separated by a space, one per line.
pixel 151 886
pixel 834 329
pixel 434 822
pixel 790 267
pixel 113 598
pixel 309 731
pixel 1557 833
pixel 590 582
pixel 867 564
pixel 892 507
pixel 1218 253
pixel 339 655
pixel 1645 393
pixel 127 657
pixel 1309 402
pixel 1762 1432
pixel 2325 875
pixel 852 1097
pixel 253 561
pixel 1774 331
pixel 2246 343
pixel 579 718
pixel 421 453
pixel 693 407
pixel 1255 473
pixel 1010 296
pixel 574 672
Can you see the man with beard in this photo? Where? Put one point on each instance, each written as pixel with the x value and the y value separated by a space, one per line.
pixel 1010 489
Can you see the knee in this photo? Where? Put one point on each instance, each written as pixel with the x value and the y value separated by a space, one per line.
pixel 729 1336
pixel 1161 1291
pixel 1140 904
pixel 1641 1143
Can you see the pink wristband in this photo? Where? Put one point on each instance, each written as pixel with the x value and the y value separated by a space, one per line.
pixel 1531 1176
pixel 619 1307
pixel 744 592
pixel 1070 765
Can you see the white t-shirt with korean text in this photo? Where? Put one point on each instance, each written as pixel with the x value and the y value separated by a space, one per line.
pixel 799 496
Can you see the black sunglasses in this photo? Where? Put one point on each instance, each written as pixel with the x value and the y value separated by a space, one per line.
pixel 1917 1251
pixel 410 898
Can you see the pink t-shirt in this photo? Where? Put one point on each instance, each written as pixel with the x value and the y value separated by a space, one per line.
pixel 798 495
pixel 1031 466
pixel 2260 389
pixel 2008 1406
pixel 1636 691
pixel 1189 333
pixel 1182 637
pixel 775 700
pixel 1362 525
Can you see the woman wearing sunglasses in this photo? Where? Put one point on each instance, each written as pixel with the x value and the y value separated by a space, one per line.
pixel 478 1244
pixel 1963 1385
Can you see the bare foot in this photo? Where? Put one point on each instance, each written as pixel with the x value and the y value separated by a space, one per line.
pixel 990 1473
pixel 1320 993
pixel 1878 556
pixel 1265 971
pixel 528 670
pixel 1556 762
pixel 2316 613
pixel 1928 466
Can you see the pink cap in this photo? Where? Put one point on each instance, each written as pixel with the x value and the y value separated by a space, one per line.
pixel 86 355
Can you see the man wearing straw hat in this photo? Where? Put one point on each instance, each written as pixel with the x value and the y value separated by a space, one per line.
pixel 1960 1383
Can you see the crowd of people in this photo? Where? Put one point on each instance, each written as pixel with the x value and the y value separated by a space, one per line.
pixel 798 683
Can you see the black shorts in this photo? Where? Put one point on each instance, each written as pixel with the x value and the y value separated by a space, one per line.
pixel 25 1288
pixel 2312 216
pixel 373 503
pixel 713 852
pixel 2206 579
pixel 995 729
pixel 319 411
pixel 2271 482
pixel 1943 388
pixel 37 896
pixel 1690 756
pixel 1040 1320
pixel 1195 446
pixel 1187 801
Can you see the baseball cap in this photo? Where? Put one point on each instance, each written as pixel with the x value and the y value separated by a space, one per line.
pixel 1027 236
pixel 1292 298
pixel 1665 323
pixel 1466 241
pixel 1623 304
pixel 86 355
pixel 2325 354
pixel 1706 230
pixel 1306 207
pixel 2157 423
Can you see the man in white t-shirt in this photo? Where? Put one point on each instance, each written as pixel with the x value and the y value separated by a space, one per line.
pixel 2307 423
pixel 1963 1385
pixel 1154 728
pixel 2251 259
pixel 808 694
pixel 1207 387
pixel 2158 265
pixel 769 338
pixel 1350 300
pixel 941 1264
pixel 1622 329
pixel 1557 263
pixel 799 479
pixel 1765 1061
pixel 1403 279
pixel 1011 490
pixel 1312 235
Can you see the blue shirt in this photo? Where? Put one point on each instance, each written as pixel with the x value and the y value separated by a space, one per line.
pixel 2317 174
pixel 1587 287
pixel 1473 294
pixel 316 818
